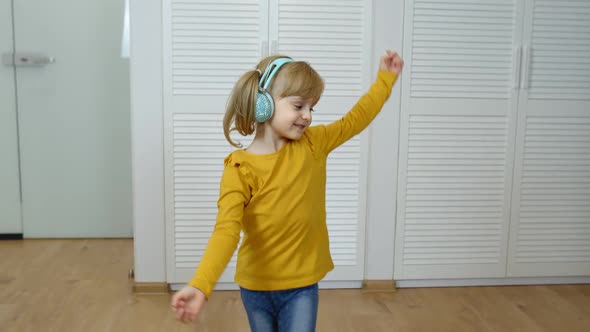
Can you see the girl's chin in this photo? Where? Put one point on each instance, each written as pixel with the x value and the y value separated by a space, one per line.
pixel 294 136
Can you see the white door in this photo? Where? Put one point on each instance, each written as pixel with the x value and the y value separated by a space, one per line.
pixel 10 209
pixel 456 137
pixel 334 37
pixel 550 225
pixel 73 111
pixel 207 46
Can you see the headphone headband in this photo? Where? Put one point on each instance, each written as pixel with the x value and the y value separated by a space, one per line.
pixel 271 71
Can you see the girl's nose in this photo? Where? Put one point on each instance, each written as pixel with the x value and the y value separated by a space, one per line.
pixel 306 114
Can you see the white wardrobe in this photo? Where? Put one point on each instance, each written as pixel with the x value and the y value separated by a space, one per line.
pixel 207 46
pixel 494 165
pixel 493 173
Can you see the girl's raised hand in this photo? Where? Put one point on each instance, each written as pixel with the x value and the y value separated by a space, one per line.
pixel 391 62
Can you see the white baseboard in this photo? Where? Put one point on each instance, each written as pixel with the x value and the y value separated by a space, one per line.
pixel 340 284
pixel 433 283
pixel 491 282
pixel 219 286
pixel 323 285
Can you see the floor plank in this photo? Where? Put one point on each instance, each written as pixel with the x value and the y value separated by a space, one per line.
pixel 82 285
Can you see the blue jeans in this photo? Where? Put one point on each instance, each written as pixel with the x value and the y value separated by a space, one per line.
pixel 291 310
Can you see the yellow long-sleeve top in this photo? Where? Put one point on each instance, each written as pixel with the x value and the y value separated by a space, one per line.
pixel 278 201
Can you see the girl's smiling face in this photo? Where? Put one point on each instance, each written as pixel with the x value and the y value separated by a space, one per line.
pixel 292 116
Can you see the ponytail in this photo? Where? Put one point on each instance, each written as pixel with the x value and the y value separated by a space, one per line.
pixel 241 106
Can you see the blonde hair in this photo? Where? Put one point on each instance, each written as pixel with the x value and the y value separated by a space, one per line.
pixel 293 79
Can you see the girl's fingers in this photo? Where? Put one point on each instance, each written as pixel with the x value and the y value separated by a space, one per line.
pixel 178 299
pixel 179 313
pixel 391 54
pixel 179 304
pixel 398 63
pixel 187 317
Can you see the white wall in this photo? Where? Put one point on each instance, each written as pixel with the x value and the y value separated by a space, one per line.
pixel 147 137
pixel 148 181
pixel 10 210
pixel 382 182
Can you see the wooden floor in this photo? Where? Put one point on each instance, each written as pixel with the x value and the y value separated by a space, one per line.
pixel 82 285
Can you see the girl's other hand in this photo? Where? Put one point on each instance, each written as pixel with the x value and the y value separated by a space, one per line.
pixel 187 303
pixel 391 62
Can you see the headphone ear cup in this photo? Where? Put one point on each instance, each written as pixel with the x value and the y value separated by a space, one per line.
pixel 264 107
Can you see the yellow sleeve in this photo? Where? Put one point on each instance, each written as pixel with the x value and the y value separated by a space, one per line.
pixel 233 197
pixel 329 137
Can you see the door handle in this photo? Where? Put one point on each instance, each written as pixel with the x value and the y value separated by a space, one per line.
pixel 527 67
pixel 26 59
pixel 264 48
pixel 516 60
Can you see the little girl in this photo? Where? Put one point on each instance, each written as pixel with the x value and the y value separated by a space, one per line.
pixel 274 191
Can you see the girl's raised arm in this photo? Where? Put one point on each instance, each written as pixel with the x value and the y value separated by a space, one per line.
pixel 366 109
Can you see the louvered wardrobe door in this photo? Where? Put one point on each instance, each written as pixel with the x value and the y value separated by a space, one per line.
pixel 550 227
pixel 456 138
pixel 207 46
pixel 333 36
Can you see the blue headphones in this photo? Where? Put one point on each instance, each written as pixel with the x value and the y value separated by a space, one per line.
pixel 265 106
